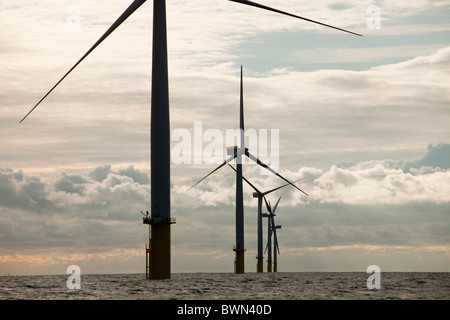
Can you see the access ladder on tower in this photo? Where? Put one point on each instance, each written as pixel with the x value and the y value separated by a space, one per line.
pixel 148 260
pixel 152 220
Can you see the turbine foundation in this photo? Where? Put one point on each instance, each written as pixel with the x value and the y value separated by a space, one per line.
pixel 158 252
pixel 239 265
pixel 259 265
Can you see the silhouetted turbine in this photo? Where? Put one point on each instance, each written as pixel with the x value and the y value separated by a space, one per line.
pixel 271 229
pixel 260 195
pixel 238 152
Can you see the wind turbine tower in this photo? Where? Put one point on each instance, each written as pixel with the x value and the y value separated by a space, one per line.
pixel 275 245
pixel 240 248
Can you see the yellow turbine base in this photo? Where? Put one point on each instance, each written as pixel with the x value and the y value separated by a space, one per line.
pixel 160 252
pixel 259 265
pixel 239 262
pixel 269 266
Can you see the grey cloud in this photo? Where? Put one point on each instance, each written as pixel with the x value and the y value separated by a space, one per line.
pixel 338 6
pixel 72 210
pixel 436 157
pixel 137 175
pixel 75 193
pixel 100 173
pixel 70 183
pixel 18 175
pixel 23 192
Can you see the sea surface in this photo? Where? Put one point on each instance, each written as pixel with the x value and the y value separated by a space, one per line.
pixel 228 286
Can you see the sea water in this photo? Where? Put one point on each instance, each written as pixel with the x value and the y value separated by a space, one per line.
pixel 228 286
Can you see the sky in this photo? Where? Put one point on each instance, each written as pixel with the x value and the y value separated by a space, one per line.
pixel 363 120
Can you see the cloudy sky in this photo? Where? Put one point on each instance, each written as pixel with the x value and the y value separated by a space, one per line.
pixel 364 120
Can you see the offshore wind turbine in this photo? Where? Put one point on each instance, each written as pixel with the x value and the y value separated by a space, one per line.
pixel 237 153
pixel 260 195
pixel 272 229
pixel 275 245
pixel 160 220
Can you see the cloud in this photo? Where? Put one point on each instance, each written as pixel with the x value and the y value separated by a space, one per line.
pixel 421 180
pixel 101 114
pixel 328 116
pixel 380 185
pixel 437 157
pixel 374 207
pixel 137 175
pixel 72 210
pixel 100 173
pixel 70 183
pixel 23 192
pixel 334 56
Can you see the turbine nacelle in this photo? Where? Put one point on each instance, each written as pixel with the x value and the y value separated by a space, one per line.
pixel 235 150
pixel 231 150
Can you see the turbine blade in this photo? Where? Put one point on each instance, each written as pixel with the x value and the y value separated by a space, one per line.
pixel 248 154
pixel 268 206
pixel 274 231
pixel 241 109
pixel 267 192
pixel 251 185
pixel 284 185
pixel 275 240
pixel 208 175
pixel 276 243
pixel 275 208
pixel 220 166
pixel 275 189
pixel 262 164
pixel 257 5
pixel 133 7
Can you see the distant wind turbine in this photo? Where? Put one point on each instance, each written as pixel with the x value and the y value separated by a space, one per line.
pixel 238 152
pixel 272 229
pixel 160 129
pixel 260 195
